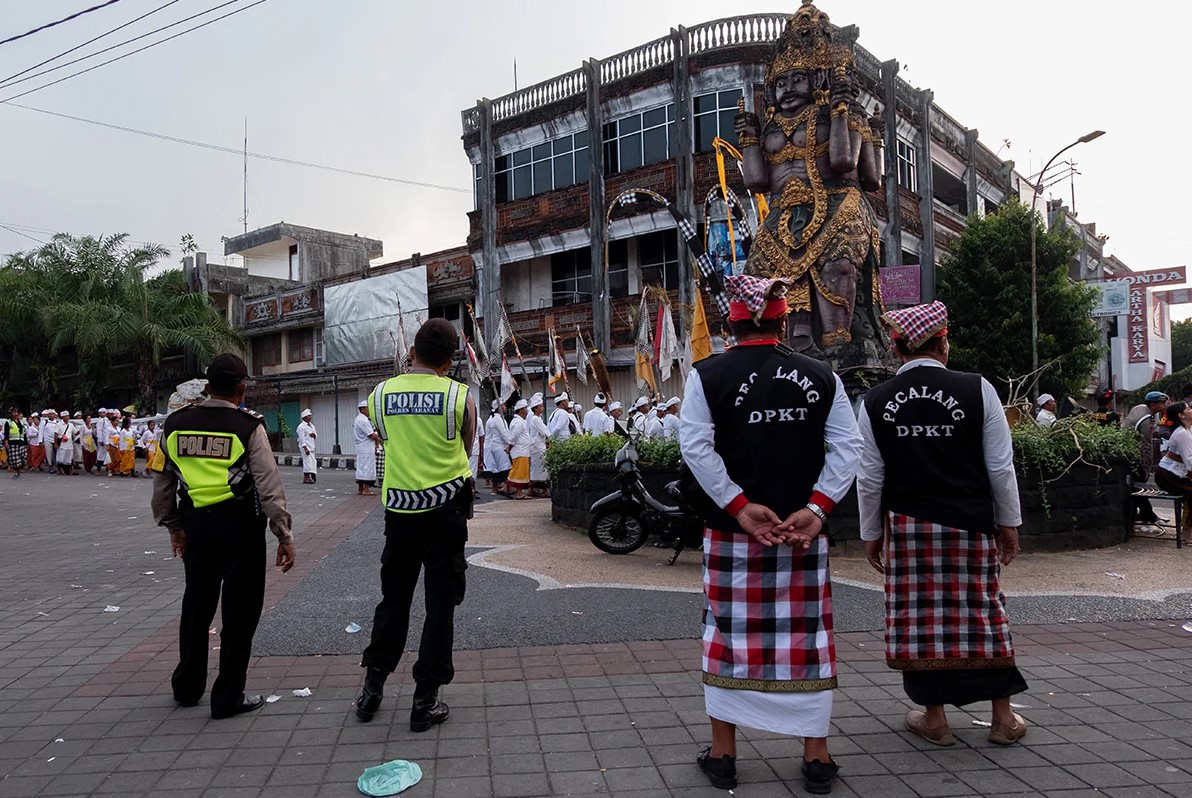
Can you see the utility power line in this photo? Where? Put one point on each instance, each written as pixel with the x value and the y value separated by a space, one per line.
pixel 89 41
pixel 18 232
pixel 11 82
pixel 49 25
pixel 240 152
pixel 133 52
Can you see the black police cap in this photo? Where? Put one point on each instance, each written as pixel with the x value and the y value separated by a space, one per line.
pixel 227 370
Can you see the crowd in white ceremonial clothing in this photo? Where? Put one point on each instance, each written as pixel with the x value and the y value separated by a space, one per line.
pixel 107 443
pixel 506 439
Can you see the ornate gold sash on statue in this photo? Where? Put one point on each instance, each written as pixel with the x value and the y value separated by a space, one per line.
pixel 780 250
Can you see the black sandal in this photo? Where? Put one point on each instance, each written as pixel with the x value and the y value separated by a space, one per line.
pixel 722 772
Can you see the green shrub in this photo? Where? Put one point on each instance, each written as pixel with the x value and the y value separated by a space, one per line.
pixel 586 449
pixel 1069 441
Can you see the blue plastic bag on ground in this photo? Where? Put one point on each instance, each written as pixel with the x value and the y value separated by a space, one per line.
pixel 390 778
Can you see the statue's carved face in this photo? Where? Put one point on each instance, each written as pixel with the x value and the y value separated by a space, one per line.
pixel 792 90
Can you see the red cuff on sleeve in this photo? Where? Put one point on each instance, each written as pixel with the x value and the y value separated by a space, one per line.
pixel 737 505
pixel 823 502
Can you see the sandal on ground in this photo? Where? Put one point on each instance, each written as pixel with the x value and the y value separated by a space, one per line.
pixel 916 722
pixel 721 771
pixel 817 776
pixel 1000 734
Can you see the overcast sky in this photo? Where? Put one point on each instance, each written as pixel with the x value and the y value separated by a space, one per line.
pixel 377 86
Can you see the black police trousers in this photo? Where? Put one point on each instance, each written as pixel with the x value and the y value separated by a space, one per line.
pixel 225 554
pixel 413 541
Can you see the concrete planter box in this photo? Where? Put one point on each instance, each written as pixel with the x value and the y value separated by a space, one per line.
pixel 1086 508
pixel 578 487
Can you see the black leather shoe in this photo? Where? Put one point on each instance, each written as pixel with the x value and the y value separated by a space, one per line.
pixel 248 703
pixel 722 772
pixel 186 702
pixel 428 711
pixel 370 696
pixel 817 776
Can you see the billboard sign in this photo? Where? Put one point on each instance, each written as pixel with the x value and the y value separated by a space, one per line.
pixel 900 285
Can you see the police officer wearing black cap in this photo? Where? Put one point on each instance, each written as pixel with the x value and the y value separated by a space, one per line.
pixel 218 488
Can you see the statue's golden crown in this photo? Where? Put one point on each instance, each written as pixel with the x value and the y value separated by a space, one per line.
pixel 809 42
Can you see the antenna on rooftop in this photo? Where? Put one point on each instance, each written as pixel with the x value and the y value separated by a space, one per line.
pixel 244 218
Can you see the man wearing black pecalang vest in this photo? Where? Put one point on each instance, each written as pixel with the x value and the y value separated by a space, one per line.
pixel 939 515
pixel 771 438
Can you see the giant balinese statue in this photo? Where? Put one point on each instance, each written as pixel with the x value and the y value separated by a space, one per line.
pixel 813 154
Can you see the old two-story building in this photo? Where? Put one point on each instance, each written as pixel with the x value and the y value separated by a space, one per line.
pixel 548 159
pixel 320 319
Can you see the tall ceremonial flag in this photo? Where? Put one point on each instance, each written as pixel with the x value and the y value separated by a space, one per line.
pixel 483 364
pixel 503 335
pixel 508 384
pixel 685 361
pixel 474 368
pixel 668 342
pixel 582 364
pixel 556 365
pixel 701 337
pixel 645 352
pixel 401 351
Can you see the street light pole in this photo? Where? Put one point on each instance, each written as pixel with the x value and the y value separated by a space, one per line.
pixel 1037 189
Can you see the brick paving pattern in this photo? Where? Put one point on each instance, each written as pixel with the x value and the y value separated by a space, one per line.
pixel 85 707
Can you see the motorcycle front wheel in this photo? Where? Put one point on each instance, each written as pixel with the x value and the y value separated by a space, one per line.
pixel 617 532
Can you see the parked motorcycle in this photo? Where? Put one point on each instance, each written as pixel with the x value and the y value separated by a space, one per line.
pixel 623 520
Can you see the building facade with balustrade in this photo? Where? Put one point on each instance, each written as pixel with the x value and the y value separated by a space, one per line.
pixel 543 178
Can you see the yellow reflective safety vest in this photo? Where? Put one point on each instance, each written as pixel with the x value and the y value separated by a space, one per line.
pixel 420 418
pixel 14 431
pixel 207 447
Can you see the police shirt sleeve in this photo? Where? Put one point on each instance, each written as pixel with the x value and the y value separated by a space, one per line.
pixel 470 422
pixel 269 487
pixel 165 500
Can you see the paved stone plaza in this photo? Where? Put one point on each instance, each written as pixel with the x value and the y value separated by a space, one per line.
pixel 579 674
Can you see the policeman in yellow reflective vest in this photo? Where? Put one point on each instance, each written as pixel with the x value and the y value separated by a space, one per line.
pixel 426 422
pixel 218 486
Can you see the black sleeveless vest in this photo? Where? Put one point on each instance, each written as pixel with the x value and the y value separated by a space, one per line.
pixel 770 412
pixel 928 423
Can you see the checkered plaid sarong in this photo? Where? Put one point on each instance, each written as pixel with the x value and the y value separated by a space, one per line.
pixel 17 454
pixel 767 616
pixel 944 604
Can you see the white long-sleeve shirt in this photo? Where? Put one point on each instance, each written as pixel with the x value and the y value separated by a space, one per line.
pixel 562 424
pixel 595 421
pixel 519 438
pixel 306 434
pixel 999 463
pixel 652 427
pixel 538 434
pixel 697 442
pixel 670 426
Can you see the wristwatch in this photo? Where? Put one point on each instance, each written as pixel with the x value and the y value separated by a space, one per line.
pixel 818 512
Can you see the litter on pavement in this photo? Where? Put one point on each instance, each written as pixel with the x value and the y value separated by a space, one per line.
pixel 303 693
pixel 111 608
pixel 352 628
pixel 390 778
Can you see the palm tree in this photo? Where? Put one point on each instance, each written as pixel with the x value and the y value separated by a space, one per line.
pixel 110 306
